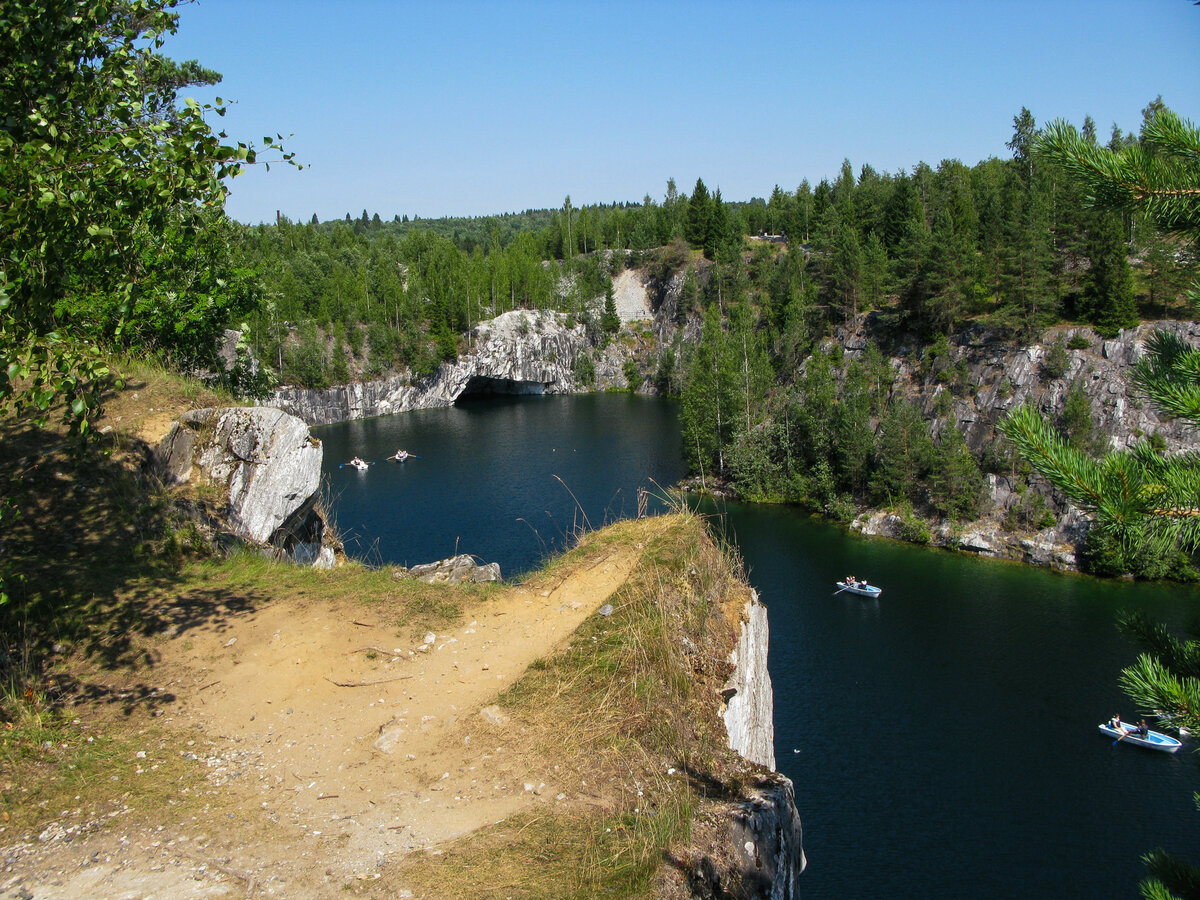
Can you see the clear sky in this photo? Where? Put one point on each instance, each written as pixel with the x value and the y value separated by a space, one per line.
pixel 473 108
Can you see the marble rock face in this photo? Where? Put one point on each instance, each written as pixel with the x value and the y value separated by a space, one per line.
pixel 266 461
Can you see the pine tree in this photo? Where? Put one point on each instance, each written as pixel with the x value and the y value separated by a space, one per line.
pixel 1107 299
pixel 610 322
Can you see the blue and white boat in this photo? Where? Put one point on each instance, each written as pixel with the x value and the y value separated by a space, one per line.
pixel 1128 734
pixel 858 587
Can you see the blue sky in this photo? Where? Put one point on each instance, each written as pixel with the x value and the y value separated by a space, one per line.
pixel 474 108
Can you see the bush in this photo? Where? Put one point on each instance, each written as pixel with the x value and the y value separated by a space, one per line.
pixel 1057 361
pixel 584 369
pixel 632 376
pixel 1078 341
pixel 1105 556
pixel 913 529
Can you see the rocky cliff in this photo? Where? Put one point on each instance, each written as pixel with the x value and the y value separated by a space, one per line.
pixel 267 469
pixel 762 854
pixel 982 378
pixel 518 352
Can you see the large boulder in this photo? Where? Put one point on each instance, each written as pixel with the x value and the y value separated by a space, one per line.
pixel 268 466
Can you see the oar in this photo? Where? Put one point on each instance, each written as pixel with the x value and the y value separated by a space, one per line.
pixel 1124 734
pixel 839 590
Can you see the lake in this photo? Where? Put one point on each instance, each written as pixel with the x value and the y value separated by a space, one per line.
pixel 943 739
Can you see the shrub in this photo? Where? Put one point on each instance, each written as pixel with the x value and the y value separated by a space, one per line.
pixel 632 376
pixel 1057 361
pixel 584 369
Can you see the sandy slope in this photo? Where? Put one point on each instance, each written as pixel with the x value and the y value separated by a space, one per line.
pixel 332 746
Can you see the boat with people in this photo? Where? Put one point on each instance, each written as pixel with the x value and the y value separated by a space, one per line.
pixel 852 585
pixel 1128 733
pixel 360 464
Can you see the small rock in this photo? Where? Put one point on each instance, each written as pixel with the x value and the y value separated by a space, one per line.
pixel 606 609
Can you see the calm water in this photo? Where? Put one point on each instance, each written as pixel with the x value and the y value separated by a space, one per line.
pixel 942 739
pixel 507 479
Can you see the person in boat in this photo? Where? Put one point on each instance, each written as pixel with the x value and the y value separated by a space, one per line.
pixel 1141 730
pixel 1115 722
pixel 401 455
pixel 863 583
pixel 357 463
pixel 851 581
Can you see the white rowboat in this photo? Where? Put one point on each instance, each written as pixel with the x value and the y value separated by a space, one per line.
pixel 863 590
pixel 1153 740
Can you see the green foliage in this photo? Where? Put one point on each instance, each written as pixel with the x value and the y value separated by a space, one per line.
pixel 101 176
pixel 585 369
pixel 1078 341
pixel 903 454
pixel 609 320
pixel 1104 554
pixel 955 482
pixel 1029 513
pixel 633 377
pixel 1076 420
pixel 1057 361
pixel 912 528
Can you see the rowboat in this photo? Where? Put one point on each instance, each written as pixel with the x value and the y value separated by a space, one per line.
pixel 863 590
pixel 1128 735
pixel 359 464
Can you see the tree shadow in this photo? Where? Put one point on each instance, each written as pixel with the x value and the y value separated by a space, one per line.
pixel 91 555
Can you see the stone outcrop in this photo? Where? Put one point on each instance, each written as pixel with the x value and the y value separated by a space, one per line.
pixel 461 569
pixel 266 465
pixel 984 378
pixel 752 846
pixel 749 698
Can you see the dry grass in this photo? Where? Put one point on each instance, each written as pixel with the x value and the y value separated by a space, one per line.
pixel 629 709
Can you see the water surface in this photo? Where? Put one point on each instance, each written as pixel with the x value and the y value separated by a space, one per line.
pixel 507 479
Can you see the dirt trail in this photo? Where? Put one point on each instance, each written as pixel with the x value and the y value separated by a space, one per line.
pixel 334 746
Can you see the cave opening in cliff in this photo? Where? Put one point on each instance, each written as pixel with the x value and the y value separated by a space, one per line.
pixel 483 386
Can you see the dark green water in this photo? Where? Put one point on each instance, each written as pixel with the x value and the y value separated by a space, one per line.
pixel 942 739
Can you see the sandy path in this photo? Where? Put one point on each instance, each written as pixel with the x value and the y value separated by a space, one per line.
pixel 344 755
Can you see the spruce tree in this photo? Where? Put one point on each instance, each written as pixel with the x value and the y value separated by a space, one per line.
pixel 699 216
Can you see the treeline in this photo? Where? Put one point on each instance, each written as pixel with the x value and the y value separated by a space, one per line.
pixel 1007 242
pixel 1007 245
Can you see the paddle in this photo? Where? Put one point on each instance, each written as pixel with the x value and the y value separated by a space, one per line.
pixel 839 590
pixel 1124 734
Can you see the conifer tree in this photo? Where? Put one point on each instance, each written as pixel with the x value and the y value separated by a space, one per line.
pixel 699 216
